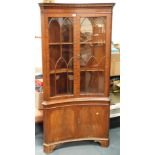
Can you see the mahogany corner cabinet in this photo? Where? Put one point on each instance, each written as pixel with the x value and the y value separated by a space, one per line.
pixel 76 51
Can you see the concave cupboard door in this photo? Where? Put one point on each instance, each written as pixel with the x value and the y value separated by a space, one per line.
pixel 60 124
pixel 93 121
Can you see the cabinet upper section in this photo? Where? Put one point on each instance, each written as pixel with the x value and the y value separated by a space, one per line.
pixel 76 47
pixel 49 6
pixel 76 4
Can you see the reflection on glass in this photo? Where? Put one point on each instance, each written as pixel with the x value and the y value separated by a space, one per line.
pixel 85 52
pixel 92 55
pixel 86 30
pixel 91 82
pixel 99 30
pixel 92 29
pixel 92 63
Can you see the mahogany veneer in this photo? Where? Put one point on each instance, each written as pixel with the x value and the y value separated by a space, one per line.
pixel 76 49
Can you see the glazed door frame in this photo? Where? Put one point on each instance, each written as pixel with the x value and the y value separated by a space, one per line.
pixel 76 52
pixel 107 51
pixel 46 56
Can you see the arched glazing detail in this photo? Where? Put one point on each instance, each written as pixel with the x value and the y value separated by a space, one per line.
pixel 60 78
pixel 92 55
pixel 92 29
pixel 55 54
pixel 54 30
pixel 92 62
pixel 86 29
pixel 67 52
pixel 70 63
pixel 85 54
pixel 60 30
pixel 70 76
pixel 67 28
pixel 61 55
pixel 61 63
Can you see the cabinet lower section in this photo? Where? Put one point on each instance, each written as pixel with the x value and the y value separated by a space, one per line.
pixel 76 122
pixel 50 147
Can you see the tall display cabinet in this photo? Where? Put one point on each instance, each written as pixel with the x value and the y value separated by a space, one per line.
pixel 76 49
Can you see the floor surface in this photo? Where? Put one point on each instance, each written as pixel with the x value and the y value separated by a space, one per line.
pixel 80 148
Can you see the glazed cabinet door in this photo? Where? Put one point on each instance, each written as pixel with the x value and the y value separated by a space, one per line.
pixel 58 56
pixel 92 55
pixel 77 55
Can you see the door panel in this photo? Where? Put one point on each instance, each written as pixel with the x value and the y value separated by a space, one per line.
pixel 93 121
pixel 64 46
pixel 61 124
pixel 61 42
pixel 92 54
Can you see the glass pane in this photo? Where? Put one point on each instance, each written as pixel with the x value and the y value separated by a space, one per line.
pixel 91 82
pixel 99 30
pixel 52 88
pixel 85 52
pixel 61 56
pixel 92 55
pixel 70 83
pixel 61 64
pixel 67 52
pixel 92 29
pixel 54 51
pixel 61 83
pixel 86 30
pixel 60 30
pixel 54 30
pixel 67 30
pixel 70 75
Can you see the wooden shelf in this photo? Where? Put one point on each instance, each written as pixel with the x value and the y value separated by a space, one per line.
pixel 61 43
pixel 65 70
pixel 93 43
pixel 71 43
pixel 91 70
